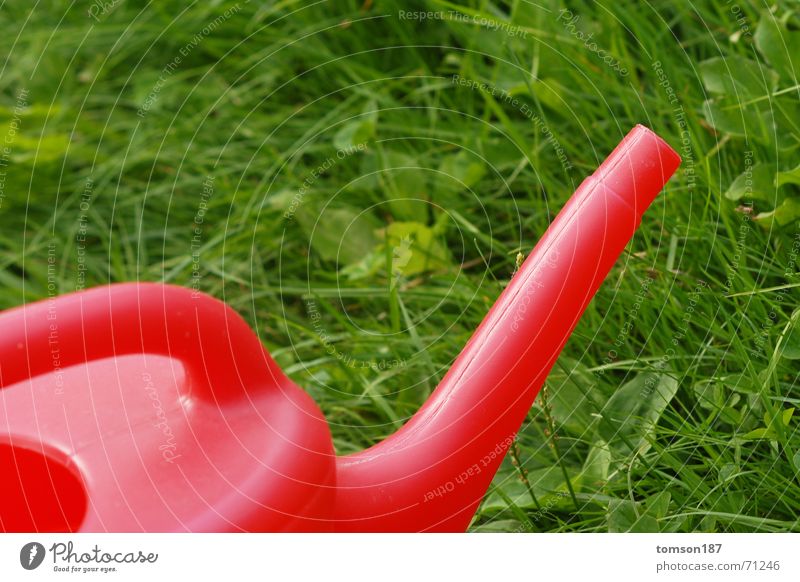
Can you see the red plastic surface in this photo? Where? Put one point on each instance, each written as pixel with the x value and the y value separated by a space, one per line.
pixel 213 437
pixel 143 407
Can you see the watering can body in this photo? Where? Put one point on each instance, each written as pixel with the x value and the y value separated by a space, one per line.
pixel 155 408
pixel 146 407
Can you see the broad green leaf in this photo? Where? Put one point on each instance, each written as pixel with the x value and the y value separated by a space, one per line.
pixel 657 504
pixel 788 177
pixel 737 77
pixel 736 107
pixel 713 396
pixel 742 383
pixel 463 168
pixel 626 516
pixel 785 111
pixel 768 431
pixel 416 248
pixel 413 248
pixel 408 206
pixel 705 392
pixel 402 179
pixel 633 410
pixel 729 115
pixel 786 213
pixel 353 133
pixel 779 46
pixel 757 434
pixel 596 468
pixel 338 234
pixel 731 415
pixel 708 524
pixel 757 182
pixel 406 187
pixel 372 263
pixel 549 485
pixel 357 131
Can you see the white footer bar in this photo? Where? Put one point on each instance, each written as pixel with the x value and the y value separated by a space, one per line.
pixel 408 558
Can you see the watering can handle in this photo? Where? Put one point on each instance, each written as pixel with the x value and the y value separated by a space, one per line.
pixel 215 345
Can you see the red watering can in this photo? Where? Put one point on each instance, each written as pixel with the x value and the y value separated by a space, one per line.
pixel 145 407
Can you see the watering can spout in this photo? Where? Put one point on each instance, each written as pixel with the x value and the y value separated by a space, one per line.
pixel 432 474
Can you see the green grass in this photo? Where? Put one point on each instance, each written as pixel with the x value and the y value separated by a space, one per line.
pixel 272 92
